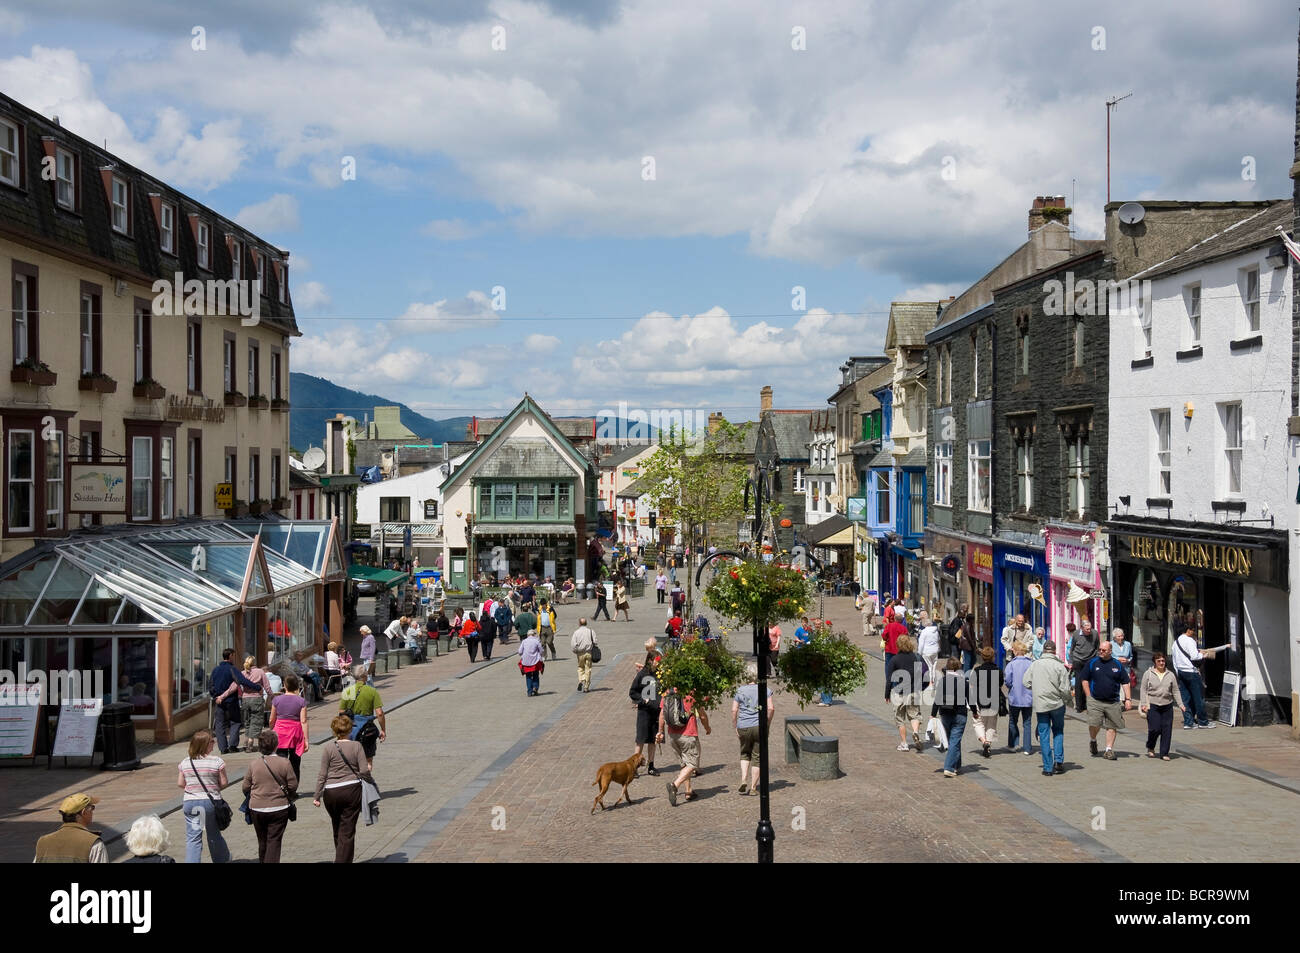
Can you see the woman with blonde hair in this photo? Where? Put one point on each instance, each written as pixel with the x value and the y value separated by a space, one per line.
pixel 147 840
pixel 202 775
pixel 252 702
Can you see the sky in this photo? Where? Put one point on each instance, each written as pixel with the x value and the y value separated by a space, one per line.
pixel 668 204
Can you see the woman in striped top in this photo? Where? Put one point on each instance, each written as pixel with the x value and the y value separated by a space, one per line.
pixel 202 775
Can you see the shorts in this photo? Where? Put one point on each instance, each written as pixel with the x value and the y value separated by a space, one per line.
pixel 1108 715
pixel 905 712
pixel 687 749
pixel 749 748
pixel 647 726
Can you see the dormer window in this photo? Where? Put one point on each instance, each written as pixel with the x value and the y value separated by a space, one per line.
pixel 167 228
pixel 236 259
pixel 204 241
pixel 66 179
pixel 10 166
pixel 121 205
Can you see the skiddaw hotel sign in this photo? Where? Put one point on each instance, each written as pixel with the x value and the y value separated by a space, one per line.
pixel 97 488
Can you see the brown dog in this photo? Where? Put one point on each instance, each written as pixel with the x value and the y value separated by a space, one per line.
pixel 616 772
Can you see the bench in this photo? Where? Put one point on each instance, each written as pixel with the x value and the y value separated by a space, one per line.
pixel 817 755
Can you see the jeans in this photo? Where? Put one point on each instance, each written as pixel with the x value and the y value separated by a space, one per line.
pixel 889 673
pixel 954 726
pixel 226 727
pixel 269 828
pixel 826 698
pixel 1051 736
pixel 1193 698
pixel 533 681
pixel 1160 725
pixel 659 595
pixel 198 815
pixel 602 606
pixel 967 660
pixel 1013 727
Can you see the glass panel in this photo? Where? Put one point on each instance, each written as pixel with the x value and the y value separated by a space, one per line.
pixel 566 499
pixel 224 563
pixel 335 565
pixel 484 501
pixel 132 614
pixel 18 591
pixel 100 606
pixel 1183 613
pixel 257 584
pixel 546 501
pixel 94 655
pixel 1148 610
pixel 136 674
pixel 305 543
pixel 525 505
pixel 61 596
pixel 504 501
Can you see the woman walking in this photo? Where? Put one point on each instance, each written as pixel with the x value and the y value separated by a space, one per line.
pixel 774 647
pixel 620 601
pixel 487 633
pixel 908 685
pixel 986 698
pixel 950 708
pixel 202 776
pixel 252 702
pixel 531 662
pixel 289 719
pixel 1159 695
pixel 661 585
pixel 1020 700
pixel 338 785
pixel 469 635
pixel 645 698
pixel 456 623
pixel 269 784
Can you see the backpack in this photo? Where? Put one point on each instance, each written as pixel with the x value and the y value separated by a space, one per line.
pixel 702 627
pixel 675 711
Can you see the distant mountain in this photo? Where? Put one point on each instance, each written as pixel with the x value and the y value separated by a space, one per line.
pixel 314 400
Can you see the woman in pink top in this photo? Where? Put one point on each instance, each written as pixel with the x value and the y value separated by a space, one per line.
pixel 289 719
pixel 774 643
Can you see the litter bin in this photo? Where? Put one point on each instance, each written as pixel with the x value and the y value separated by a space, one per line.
pixel 119 737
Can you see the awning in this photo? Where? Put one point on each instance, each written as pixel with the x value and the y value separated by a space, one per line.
pixel 385 577
pixel 524 529
pixel 904 551
pixel 833 531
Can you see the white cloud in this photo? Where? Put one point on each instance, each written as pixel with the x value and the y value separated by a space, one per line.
pixel 279 213
pixel 543 343
pixel 362 358
pixel 472 311
pixel 310 296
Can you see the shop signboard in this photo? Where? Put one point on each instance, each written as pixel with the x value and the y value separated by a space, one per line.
pixel 1070 559
pixel 97 488
pixel 225 496
pixel 20 708
pixel 979 562
pixel 78 726
pixel 1241 563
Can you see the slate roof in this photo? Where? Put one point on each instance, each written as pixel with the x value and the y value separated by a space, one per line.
pixel 531 457
pixel 909 321
pixel 620 456
pixel 790 428
pixel 634 490
pixel 1258 229
pixel 914 458
pixel 571 427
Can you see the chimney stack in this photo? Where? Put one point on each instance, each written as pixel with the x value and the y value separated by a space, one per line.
pixel 715 421
pixel 765 399
pixel 1048 207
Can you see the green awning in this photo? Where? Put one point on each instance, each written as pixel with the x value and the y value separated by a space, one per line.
pixel 385 577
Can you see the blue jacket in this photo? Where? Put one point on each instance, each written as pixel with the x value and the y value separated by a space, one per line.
pixel 1017 694
pixel 224 674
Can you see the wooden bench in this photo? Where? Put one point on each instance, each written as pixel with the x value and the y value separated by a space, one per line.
pixel 817 755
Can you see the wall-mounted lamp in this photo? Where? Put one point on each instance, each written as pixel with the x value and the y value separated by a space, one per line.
pixel 1188 409
pixel 1276 257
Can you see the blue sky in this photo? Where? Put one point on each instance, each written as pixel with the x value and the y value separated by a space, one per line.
pixel 524 168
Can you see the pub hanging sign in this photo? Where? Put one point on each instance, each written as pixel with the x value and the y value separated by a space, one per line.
pixel 1243 563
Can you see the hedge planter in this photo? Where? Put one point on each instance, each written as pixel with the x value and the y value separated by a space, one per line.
pixel 37 378
pixel 236 399
pixel 280 405
pixel 149 391
pixel 258 507
pixel 280 503
pixel 258 403
pixel 97 385
pixel 237 512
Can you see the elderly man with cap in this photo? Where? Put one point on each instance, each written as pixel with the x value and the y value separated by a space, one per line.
pixel 74 842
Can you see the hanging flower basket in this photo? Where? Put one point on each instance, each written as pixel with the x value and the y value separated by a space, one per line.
pixel 706 670
pixel 758 591
pixel 830 662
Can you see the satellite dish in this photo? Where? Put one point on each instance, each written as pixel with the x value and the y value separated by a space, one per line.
pixel 1130 213
pixel 314 458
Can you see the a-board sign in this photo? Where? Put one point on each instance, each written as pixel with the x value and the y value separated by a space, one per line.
pixel 1228 698
pixel 78 726
pixel 20 708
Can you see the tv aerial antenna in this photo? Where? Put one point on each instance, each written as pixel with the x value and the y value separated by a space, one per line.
pixel 1110 107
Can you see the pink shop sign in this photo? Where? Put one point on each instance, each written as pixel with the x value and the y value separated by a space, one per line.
pixel 1071 559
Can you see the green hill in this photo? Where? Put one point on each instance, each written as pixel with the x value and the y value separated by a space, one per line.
pixel 315 400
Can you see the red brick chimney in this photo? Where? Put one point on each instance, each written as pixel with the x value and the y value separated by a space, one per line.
pixel 1039 214
pixel 765 399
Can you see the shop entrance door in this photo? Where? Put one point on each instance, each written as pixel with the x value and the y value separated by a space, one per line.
pixel 1216 633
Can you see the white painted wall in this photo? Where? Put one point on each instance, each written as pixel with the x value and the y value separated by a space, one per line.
pixel 417 487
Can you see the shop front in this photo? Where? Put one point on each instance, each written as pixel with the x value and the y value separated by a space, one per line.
pixel 541 550
pixel 1016 568
pixel 1228 588
pixel 946 563
pixel 979 574
pixel 1070 560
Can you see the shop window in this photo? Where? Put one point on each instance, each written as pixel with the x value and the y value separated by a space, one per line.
pixel 546 501
pixel 1183 612
pixel 526 502
pixel 1148 612
pixel 136 674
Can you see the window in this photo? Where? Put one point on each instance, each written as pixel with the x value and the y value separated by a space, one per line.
pixel 232 470
pixel 10 166
pixel 916 503
pixel 236 259
pixel 943 474
pixel 1025 474
pixel 65 186
pixel 193 499
pixel 881 480
pixel 228 363
pixel 143 342
pixel 121 219
pixel 1077 474
pixel 165 478
pixel 1192 297
pixel 194 356
pixel 503 495
pixel 1250 298
pixel 87 334
pixel 89 446
pixel 1144 322
pixel 204 241
pixel 24 328
pixel 798 479
pixel 565 495
pixel 141 478
pixel 54 482
pixel 284 283
pixel 259 261
pixel 394 509
pixel 978 477
pixel 167 228
pixel 254 476
pixel 975 363
pixel 1076 342
pixel 275 374
pixel 1022 351
pixel 253 382
pixel 1163 482
pixel 947 354
pixel 940 392
pixel 22 480
pixel 1231 417
pixel 275 476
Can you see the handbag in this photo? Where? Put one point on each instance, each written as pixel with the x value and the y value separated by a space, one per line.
pixel 293 808
pixel 220 809
pixel 595 652
pixel 370 796
pixel 245 810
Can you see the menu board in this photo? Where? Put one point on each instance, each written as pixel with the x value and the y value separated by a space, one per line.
pixel 78 726
pixel 20 708
pixel 1228 698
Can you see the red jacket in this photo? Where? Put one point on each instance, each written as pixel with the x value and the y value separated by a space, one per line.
pixel 892 631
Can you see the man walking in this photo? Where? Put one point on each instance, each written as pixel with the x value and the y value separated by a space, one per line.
pixel 581 642
pixel 684 738
pixel 368 650
pixel 1186 654
pixel 1016 631
pixel 1105 682
pixel 1083 649
pixel 1050 684
pixel 744 719
pixel 228 715
pixel 74 842
pixel 602 602
pixel 546 627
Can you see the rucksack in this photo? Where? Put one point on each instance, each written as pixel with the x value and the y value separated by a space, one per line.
pixel 675 711
pixel 702 627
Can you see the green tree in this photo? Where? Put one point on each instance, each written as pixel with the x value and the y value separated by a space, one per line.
pixel 698 481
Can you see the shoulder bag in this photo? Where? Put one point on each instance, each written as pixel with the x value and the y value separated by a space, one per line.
pixel 595 651
pixel 370 795
pixel 293 808
pixel 1195 666
pixel 220 809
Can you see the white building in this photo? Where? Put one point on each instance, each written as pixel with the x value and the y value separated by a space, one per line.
pixel 821 491
pixel 1200 460
pixel 389 505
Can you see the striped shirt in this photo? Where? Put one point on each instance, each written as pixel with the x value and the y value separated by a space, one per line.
pixel 209 769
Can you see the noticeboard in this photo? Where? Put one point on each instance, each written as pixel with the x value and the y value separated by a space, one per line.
pixel 78 726
pixel 20 709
